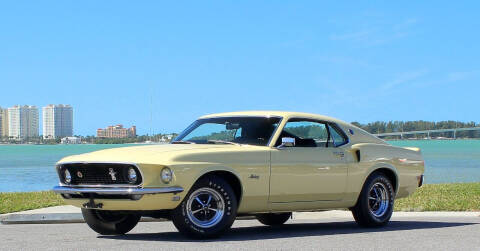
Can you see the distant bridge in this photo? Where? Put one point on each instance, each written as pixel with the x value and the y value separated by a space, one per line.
pixel 427 132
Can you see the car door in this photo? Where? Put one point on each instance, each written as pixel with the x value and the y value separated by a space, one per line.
pixel 314 169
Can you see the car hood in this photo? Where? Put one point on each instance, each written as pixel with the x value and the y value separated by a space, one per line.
pixel 150 154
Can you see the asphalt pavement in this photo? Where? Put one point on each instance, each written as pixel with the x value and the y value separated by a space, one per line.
pixel 406 231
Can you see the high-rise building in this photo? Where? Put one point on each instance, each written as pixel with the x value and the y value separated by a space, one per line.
pixel 117 132
pixel 3 122
pixel 57 121
pixel 22 122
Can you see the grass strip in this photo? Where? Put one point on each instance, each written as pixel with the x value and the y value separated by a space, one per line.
pixel 442 197
pixel 15 202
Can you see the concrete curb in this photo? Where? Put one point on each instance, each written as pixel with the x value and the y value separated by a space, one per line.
pixel 60 215
pixel 50 215
pixel 50 218
pixel 70 214
pixel 53 218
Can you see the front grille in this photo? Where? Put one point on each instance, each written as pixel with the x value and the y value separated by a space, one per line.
pixel 98 174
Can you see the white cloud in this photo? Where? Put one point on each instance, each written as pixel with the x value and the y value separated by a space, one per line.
pixel 461 75
pixel 404 78
pixel 405 24
pixel 348 61
pixel 357 35
pixel 375 32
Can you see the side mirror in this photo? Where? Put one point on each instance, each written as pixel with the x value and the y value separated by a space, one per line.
pixel 287 142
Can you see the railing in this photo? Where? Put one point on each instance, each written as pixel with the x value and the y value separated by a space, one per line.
pixel 454 130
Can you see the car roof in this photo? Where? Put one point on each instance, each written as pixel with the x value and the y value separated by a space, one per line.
pixel 284 114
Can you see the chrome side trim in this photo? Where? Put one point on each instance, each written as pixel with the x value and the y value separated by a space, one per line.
pixel 117 191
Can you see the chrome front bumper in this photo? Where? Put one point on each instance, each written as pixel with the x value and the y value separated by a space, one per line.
pixel 115 190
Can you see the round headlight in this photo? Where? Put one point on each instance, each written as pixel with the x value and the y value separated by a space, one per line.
pixel 132 175
pixel 67 176
pixel 166 175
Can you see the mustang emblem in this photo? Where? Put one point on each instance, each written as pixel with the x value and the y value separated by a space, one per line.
pixel 112 173
pixel 79 174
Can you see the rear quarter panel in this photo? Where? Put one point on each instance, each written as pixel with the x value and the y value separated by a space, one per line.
pixel 407 164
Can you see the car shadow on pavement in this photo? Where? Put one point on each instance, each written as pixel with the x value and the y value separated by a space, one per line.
pixel 291 230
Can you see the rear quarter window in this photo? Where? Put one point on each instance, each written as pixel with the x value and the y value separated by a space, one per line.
pixel 338 136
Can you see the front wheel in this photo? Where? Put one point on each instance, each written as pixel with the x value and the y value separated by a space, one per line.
pixel 208 210
pixel 375 203
pixel 109 222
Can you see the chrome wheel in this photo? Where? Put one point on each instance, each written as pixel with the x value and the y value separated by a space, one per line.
pixel 378 199
pixel 205 207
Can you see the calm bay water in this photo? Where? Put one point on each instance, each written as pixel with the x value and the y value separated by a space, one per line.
pixel 448 161
pixel 31 167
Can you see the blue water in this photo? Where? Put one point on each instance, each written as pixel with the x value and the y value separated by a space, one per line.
pixel 448 161
pixel 31 167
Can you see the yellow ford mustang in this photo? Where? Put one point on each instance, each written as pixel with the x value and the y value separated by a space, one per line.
pixel 262 163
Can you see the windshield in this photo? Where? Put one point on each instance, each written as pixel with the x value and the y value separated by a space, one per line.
pixel 230 130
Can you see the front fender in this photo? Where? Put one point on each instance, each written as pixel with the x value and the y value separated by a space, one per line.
pixel 216 168
pixel 187 176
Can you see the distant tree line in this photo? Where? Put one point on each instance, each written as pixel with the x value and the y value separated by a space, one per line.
pixel 32 140
pixel 91 139
pixel 223 135
pixel 138 139
pixel 420 125
pixel 311 131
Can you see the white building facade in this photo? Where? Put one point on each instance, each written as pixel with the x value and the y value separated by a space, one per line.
pixel 71 140
pixel 22 122
pixel 57 121
pixel 3 122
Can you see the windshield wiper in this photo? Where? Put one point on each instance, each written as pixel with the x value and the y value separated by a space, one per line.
pixel 222 142
pixel 182 142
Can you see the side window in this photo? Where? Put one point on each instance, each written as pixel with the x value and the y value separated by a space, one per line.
pixel 306 133
pixel 211 131
pixel 238 133
pixel 337 137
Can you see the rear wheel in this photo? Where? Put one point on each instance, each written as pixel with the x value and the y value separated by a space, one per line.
pixel 375 204
pixel 109 222
pixel 208 210
pixel 273 219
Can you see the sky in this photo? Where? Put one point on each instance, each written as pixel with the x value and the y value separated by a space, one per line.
pixel 159 65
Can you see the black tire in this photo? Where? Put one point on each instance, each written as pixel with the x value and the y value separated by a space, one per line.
pixel 273 219
pixel 220 191
pixel 370 211
pixel 108 222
